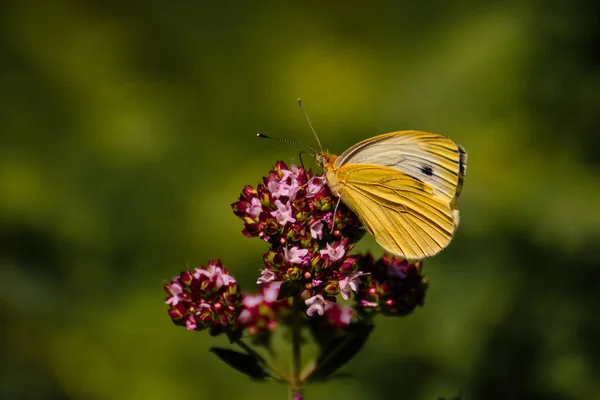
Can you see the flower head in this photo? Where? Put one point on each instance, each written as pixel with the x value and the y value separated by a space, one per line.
pixel 394 286
pixel 309 245
pixel 261 312
pixel 205 298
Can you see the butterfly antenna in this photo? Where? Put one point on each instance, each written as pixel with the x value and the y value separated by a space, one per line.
pixel 309 123
pixel 312 149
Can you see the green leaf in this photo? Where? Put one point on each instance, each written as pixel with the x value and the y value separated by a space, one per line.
pixel 244 363
pixel 341 350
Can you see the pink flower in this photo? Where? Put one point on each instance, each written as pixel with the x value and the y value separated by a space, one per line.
pixel 283 214
pixel 295 255
pixel 277 188
pixel 349 284
pixel 314 186
pixel 223 280
pixel 266 275
pixel 245 316
pixel 255 208
pixel 316 230
pixel 333 254
pixel 315 304
pixel 281 189
pixel 216 274
pixel 271 291
pixel 252 300
pixel 261 312
pixel 293 190
pixel 294 173
pixel 366 303
pixel 176 290
pixel 339 316
pixel 190 323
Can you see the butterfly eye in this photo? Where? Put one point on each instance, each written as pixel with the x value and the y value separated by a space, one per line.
pixel 427 170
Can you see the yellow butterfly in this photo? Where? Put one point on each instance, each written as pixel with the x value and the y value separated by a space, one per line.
pixel 404 188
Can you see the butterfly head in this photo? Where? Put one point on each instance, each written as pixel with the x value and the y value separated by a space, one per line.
pixel 326 160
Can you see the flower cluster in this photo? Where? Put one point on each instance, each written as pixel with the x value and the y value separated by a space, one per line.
pixel 392 285
pixel 310 233
pixel 307 269
pixel 205 298
pixel 262 312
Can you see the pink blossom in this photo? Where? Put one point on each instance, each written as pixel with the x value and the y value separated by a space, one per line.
pixel 295 255
pixel 266 275
pixel 216 274
pixel 176 291
pixel 271 291
pixel 293 190
pixel 283 214
pixel 315 304
pixel 314 186
pixel 366 303
pixel 349 284
pixel 346 314
pixel 294 173
pixel 252 300
pixel 316 230
pixel 245 316
pixel 190 323
pixel 281 189
pixel 340 316
pixel 277 188
pixel 255 208
pixel 223 279
pixel 333 254
pixel 210 271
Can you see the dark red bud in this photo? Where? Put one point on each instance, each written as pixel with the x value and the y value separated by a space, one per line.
pixel 177 312
pixel 186 278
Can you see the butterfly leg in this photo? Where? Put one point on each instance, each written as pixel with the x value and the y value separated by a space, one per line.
pixel 333 216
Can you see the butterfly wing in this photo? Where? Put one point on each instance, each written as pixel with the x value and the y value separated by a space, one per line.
pixel 434 159
pixel 401 211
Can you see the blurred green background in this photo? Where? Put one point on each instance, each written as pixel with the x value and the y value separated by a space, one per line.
pixel 128 128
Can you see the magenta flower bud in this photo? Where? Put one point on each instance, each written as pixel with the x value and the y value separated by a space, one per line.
pixel 248 192
pixel 177 312
pixel 317 263
pixel 349 265
pixel 264 198
pixel 293 273
pixel 205 317
pixel 240 207
pixel 332 289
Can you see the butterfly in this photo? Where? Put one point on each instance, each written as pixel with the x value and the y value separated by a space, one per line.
pixel 404 188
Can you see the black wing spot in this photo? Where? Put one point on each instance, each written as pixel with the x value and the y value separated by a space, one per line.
pixel 427 170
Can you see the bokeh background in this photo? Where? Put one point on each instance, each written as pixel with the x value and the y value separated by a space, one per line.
pixel 128 127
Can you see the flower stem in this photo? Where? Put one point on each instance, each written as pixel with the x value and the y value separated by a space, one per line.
pixel 296 389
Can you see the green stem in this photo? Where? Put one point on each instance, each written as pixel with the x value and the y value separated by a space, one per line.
pixel 296 384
